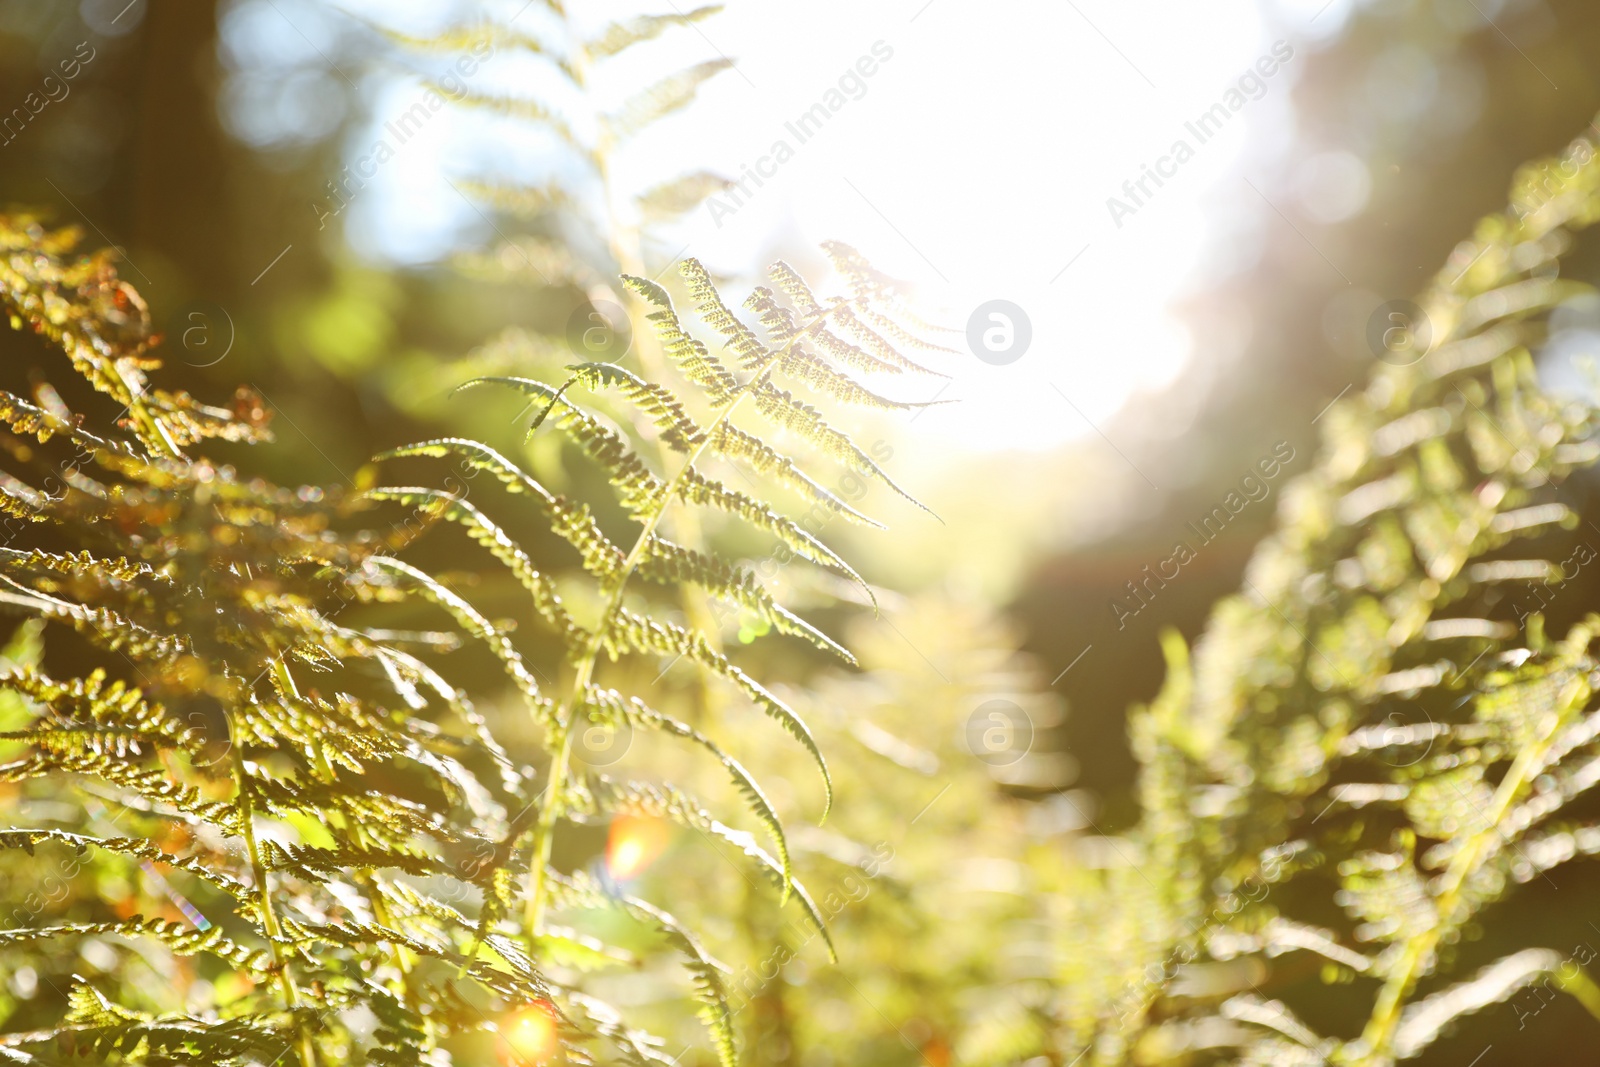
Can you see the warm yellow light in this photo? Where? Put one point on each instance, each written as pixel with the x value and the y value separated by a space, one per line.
pixel 528 1036
pixel 634 843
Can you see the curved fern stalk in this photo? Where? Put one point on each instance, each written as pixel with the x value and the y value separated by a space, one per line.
pixel 1381 595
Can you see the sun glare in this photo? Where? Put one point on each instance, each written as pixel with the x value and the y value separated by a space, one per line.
pixel 862 135
pixel 634 843
pixel 528 1035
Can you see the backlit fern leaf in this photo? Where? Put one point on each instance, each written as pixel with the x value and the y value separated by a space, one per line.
pixel 604 706
pixel 579 891
pixel 670 94
pixel 591 131
pixel 620 36
pixel 602 795
pixel 546 601
pixel 635 633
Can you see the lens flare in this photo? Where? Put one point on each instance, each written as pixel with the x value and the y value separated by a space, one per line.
pixel 634 843
pixel 528 1035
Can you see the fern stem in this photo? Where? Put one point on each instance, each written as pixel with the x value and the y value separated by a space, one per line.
pixel 269 916
pixel 544 831
pixel 1581 988
pixel 544 834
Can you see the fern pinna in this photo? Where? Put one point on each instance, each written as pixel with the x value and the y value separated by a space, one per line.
pixel 1379 714
pixel 338 829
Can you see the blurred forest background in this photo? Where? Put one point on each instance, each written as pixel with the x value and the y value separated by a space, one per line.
pixel 202 149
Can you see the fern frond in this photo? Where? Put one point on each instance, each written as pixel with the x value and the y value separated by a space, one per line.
pixel 609 706
pixel 321 864
pixel 603 795
pixel 484 531
pixel 139 848
pixel 575 524
pixel 100 1029
pixel 153 786
pixel 672 93
pixel 638 1048
pixel 471 620
pixel 802 366
pixel 708 492
pixel 752 355
pixel 692 358
pixel 747 449
pixel 659 404
pixel 1383 587
pixel 525 108
pixel 181 939
pixel 105 627
pixel 620 36
pixel 637 485
pixel 93 704
pixel 578 890
pixel 675 198
pixel 786 413
pixel 878 347
pixel 635 633
pixel 672 564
